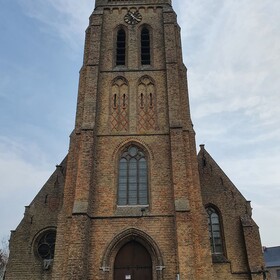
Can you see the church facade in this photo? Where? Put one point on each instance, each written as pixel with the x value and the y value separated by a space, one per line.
pixel 132 200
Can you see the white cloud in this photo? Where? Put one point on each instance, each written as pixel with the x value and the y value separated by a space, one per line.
pixel 268 220
pixel 20 180
pixel 67 18
pixel 257 178
pixel 232 51
pixel 236 59
pixel 259 170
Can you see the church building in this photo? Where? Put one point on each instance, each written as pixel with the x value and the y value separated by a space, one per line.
pixel 133 200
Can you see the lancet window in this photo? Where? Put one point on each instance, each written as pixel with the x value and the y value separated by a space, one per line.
pixel 145 47
pixel 121 47
pixel 215 233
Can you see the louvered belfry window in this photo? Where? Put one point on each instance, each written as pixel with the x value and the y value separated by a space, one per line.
pixel 145 47
pixel 121 47
pixel 133 177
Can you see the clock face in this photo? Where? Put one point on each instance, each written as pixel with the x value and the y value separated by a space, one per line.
pixel 133 17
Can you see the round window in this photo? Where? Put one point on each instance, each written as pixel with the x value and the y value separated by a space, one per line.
pixel 46 245
pixel 132 151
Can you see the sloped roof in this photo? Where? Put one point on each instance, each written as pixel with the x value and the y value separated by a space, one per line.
pixel 272 256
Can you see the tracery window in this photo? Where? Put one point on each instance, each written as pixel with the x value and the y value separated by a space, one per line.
pixel 121 47
pixel 133 177
pixel 145 47
pixel 46 245
pixel 215 234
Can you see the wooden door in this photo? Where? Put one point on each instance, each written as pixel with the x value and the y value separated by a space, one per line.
pixel 133 262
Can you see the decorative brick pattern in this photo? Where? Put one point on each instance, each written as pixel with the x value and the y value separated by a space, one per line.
pixel 119 105
pixel 146 105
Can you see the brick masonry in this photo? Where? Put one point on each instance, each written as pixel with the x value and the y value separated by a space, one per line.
pixel 80 198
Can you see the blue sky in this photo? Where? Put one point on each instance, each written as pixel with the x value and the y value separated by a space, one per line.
pixel 232 51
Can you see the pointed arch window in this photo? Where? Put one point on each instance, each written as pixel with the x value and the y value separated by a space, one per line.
pixel 145 47
pixel 133 177
pixel 215 233
pixel 121 47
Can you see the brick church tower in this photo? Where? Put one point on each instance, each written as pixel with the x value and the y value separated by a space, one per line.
pixel 132 200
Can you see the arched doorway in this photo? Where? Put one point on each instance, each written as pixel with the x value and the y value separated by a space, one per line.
pixel 133 262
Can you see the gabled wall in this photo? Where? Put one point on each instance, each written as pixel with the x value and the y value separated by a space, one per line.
pixel 40 216
pixel 242 246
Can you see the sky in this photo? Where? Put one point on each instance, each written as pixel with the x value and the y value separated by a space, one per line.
pixel 232 51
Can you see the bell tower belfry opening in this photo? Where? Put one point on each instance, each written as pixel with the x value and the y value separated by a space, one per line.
pixel 132 200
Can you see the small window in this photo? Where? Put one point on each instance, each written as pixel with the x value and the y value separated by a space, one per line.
pixel 133 177
pixel 215 234
pixel 278 273
pixel 121 47
pixel 145 47
pixel 46 245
